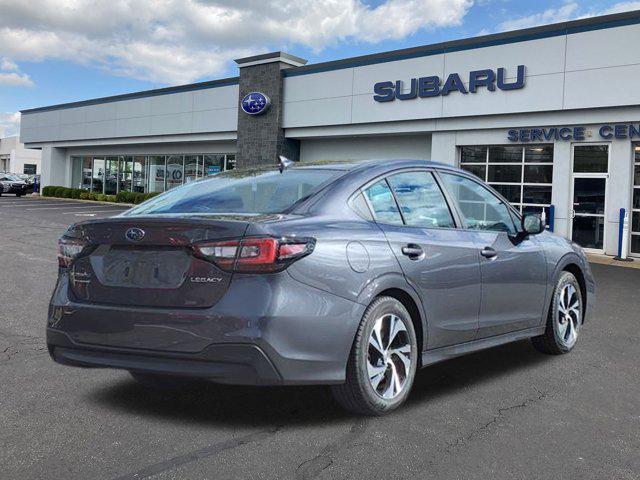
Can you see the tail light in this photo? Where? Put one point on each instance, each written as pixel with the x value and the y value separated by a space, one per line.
pixel 68 250
pixel 255 255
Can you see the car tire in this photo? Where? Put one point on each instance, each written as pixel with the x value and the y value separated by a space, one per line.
pixel 564 318
pixel 160 382
pixel 380 369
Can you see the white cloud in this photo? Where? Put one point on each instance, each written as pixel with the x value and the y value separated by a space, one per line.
pixel 175 41
pixel 571 10
pixel 551 15
pixel 11 76
pixel 9 123
pixel 621 7
pixel 7 64
pixel 13 79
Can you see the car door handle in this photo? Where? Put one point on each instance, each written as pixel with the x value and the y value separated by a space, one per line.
pixel 488 252
pixel 413 251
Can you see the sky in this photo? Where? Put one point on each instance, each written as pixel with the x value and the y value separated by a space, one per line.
pixel 57 51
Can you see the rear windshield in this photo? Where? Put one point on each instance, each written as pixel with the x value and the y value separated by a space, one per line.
pixel 240 192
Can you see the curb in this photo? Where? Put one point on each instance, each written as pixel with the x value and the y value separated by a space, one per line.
pixel 79 200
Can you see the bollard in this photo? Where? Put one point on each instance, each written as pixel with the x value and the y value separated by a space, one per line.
pixel 623 237
pixel 551 218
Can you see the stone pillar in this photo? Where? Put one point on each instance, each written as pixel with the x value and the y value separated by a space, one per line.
pixel 261 137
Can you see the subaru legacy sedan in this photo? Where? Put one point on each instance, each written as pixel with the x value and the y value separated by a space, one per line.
pixel 353 275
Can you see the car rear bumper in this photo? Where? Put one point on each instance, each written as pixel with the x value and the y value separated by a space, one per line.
pixel 266 330
pixel 232 363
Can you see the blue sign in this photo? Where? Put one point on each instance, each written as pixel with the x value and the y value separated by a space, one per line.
pixel 213 169
pixel 425 87
pixel 255 103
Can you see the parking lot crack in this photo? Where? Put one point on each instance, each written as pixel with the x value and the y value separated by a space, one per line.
pixel 193 456
pixel 463 439
pixel 324 459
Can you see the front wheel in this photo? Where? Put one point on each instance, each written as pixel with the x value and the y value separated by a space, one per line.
pixel 383 360
pixel 564 319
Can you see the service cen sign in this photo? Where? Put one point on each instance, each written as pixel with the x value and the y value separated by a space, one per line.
pixel 425 87
pixel 607 132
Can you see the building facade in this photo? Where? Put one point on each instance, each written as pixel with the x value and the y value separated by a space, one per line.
pixel 15 158
pixel 550 116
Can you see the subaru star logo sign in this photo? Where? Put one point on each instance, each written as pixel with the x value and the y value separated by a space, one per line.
pixel 134 234
pixel 255 103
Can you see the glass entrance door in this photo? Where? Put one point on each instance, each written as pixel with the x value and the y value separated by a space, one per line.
pixel 589 193
pixel 588 212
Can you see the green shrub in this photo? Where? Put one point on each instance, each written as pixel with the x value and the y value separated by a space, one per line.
pixel 78 193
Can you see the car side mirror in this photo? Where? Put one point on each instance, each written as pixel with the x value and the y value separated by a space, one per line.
pixel 532 224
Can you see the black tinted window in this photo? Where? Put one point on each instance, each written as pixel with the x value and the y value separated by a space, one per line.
pixel 480 209
pixel 420 199
pixel 238 191
pixel 382 203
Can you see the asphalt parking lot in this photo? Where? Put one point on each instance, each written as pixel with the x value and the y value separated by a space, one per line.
pixel 506 413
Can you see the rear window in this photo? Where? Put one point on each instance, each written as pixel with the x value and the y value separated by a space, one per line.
pixel 238 191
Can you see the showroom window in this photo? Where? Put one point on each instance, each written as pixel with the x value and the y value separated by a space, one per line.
pixel 522 174
pixel 635 206
pixel 144 173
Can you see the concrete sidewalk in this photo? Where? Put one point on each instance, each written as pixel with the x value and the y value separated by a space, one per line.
pixel 608 260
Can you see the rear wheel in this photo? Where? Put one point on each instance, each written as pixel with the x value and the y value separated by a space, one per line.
pixel 564 319
pixel 383 360
pixel 160 382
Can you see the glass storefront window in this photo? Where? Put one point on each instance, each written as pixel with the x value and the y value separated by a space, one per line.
pixel 87 163
pixel 76 172
pixel 156 173
pixel 213 164
pixel 192 168
pixel 139 177
pixel 126 173
pixel 590 158
pixel 111 176
pixel 144 173
pixel 175 171
pixel 505 154
pixel 98 175
pixel 522 174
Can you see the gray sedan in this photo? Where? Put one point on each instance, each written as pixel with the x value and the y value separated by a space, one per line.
pixel 352 274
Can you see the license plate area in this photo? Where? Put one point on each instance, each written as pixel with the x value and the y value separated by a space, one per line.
pixel 141 267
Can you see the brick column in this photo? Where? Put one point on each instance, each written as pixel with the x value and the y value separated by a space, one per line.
pixel 261 137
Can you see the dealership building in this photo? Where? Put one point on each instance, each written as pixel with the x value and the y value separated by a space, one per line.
pixel 549 116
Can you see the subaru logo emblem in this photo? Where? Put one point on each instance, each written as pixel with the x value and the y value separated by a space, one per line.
pixel 255 103
pixel 134 234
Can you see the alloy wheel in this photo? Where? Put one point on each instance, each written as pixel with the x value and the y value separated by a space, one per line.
pixel 389 356
pixel 569 315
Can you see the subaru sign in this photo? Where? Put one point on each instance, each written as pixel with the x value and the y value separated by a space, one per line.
pixel 255 103
pixel 425 87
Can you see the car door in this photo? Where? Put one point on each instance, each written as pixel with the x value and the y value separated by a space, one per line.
pixel 513 267
pixel 438 260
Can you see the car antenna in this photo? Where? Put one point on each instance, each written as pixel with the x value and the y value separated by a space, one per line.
pixel 284 163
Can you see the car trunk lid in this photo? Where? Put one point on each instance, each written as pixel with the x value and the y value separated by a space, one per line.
pixel 149 261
